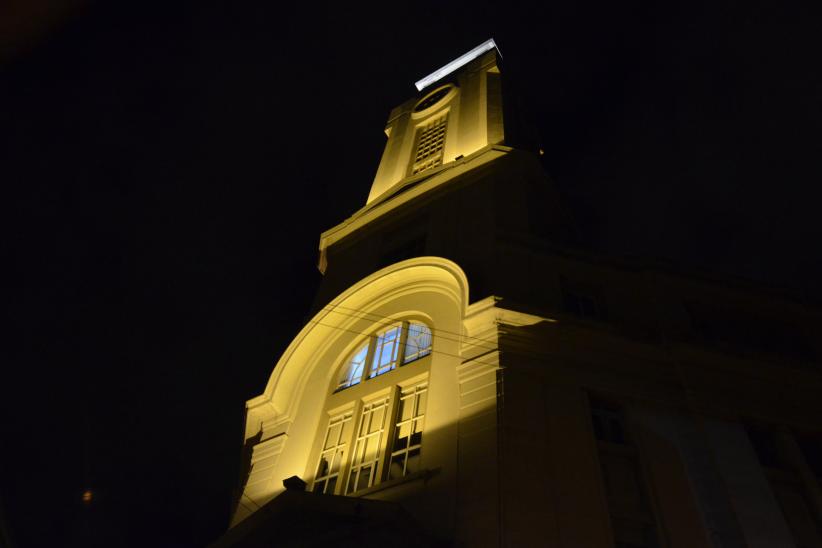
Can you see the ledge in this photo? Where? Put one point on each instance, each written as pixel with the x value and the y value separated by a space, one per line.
pixel 423 475
pixel 410 188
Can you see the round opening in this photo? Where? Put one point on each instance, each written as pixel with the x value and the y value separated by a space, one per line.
pixel 433 98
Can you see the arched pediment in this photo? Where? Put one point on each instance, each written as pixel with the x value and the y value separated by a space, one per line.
pixel 416 287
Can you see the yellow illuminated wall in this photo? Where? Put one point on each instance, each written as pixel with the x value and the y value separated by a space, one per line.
pixel 287 416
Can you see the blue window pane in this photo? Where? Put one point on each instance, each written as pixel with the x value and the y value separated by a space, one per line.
pixel 386 351
pixel 352 374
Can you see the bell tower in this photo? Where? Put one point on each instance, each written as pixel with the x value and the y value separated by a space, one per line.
pixel 387 400
pixel 459 176
pixel 458 113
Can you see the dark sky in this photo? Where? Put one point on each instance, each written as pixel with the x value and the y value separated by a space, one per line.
pixel 168 170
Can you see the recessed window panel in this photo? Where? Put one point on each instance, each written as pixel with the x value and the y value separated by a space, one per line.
pixel 367 448
pixel 430 145
pixel 405 451
pixel 333 454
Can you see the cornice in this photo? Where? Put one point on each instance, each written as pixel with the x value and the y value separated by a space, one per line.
pixel 409 190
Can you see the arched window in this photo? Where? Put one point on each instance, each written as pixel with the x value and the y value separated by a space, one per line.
pixel 374 431
pixel 352 373
pixel 400 343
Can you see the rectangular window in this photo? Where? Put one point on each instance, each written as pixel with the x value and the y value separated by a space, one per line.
pixel 579 304
pixel 609 425
pixel 811 447
pixel 368 446
pixel 430 145
pixel 632 518
pixel 581 301
pixel 405 452
pixel 333 454
pixel 385 435
pixel 789 490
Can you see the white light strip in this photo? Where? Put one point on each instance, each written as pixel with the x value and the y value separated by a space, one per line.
pixel 457 63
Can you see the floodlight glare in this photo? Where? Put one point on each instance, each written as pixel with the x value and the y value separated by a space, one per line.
pixel 457 63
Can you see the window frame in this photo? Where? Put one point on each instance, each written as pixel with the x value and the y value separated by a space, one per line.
pixel 416 380
pixel 610 444
pixel 412 375
pixel 415 392
pixel 352 399
pixel 341 449
pixel 374 362
pixel 344 377
pixel 384 431
pixel 583 301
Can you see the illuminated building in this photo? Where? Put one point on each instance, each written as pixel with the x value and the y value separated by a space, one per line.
pixel 469 378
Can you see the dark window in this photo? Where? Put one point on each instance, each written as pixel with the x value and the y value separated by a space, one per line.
pixel 811 447
pixel 608 422
pixel 632 519
pixel 787 486
pixel 765 447
pixel 579 304
pixel 580 301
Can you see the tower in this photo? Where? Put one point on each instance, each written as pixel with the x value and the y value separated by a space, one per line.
pixel 469 378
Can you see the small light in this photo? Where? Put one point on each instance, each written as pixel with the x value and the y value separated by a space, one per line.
pixel 87 496
pixel 541 152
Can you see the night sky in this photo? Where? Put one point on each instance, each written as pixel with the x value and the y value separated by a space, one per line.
pixel 168 170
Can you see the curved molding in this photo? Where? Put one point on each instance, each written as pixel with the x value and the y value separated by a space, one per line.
pixel 348 314
pixel 452 92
